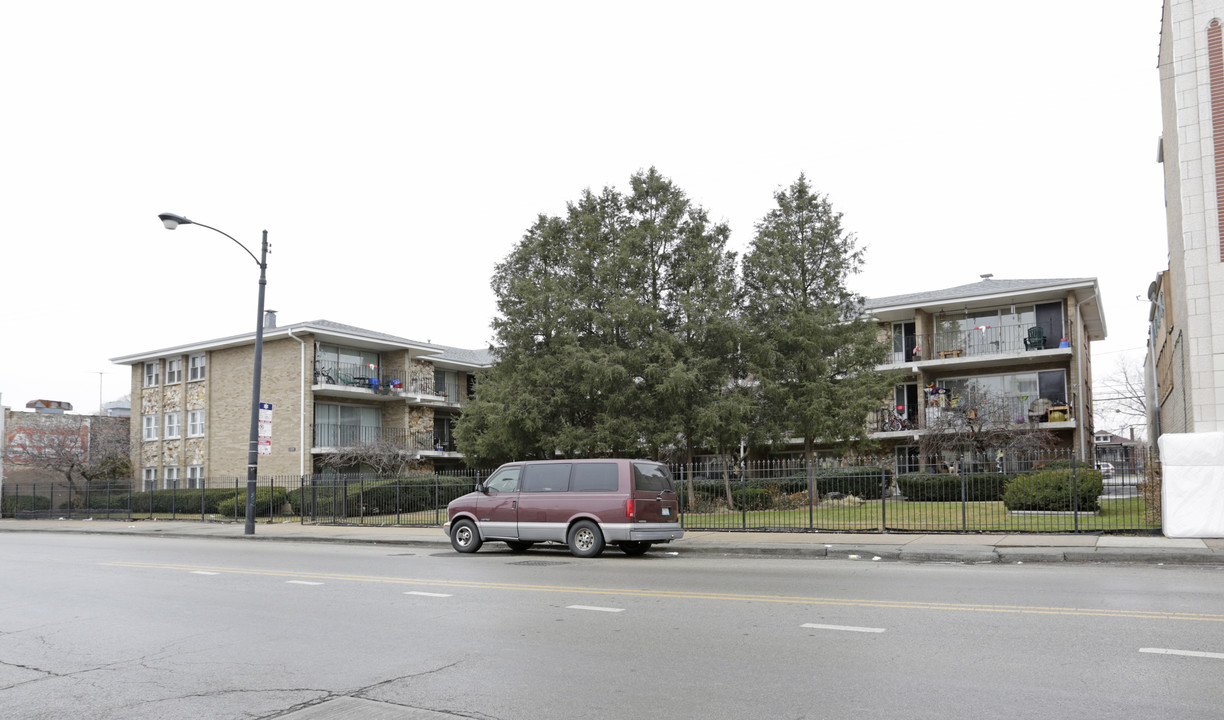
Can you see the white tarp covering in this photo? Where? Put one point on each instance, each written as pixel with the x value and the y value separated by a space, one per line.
pixel 1192 490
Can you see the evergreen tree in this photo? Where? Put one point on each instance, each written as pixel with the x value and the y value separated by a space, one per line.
pixel 810 352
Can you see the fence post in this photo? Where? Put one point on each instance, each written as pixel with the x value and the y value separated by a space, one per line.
pixel 883 495
pixel 743 500
pixel 1074 493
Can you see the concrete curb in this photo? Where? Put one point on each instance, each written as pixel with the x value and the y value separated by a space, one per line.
pixel 882 548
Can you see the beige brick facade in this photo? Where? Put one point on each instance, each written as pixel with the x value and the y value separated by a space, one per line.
pixel 290 383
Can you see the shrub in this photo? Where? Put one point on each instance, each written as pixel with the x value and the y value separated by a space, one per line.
pixel 356 496
pixel 266 501
pixel 942 487
pixel 12 505
pixel 866 482
pixel 1051 491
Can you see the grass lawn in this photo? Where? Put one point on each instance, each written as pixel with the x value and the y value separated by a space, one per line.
pixel 1115 514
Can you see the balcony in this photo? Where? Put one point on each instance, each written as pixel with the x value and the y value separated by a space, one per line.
pixel 979 347
pixel 328 437
pixel 346 380
pixel 1042 413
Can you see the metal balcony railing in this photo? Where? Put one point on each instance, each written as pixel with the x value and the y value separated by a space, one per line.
pixel 1010 410
pixel 331 435
pixel 380 380
pixel 975 342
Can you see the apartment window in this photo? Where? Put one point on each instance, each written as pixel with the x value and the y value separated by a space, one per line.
pixel 174 371
pixel 344 425
pixel 172 478
pixel 150 375
pixel 446 382
pixel 148 479
pixel 150 427
pixel 173 428
pixel 195 423
pixel 195 367
pixel 195 477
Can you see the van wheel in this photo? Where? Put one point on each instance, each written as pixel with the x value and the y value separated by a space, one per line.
pixel 585 539
pixel 518 546
pixel 635 548
pixel 464 537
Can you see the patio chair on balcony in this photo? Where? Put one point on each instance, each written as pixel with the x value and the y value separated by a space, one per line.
pixel 1036 339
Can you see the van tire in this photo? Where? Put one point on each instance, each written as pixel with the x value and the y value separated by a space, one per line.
pixel 634 548
pixel 465 537
pixel 585 539
pixel 518 546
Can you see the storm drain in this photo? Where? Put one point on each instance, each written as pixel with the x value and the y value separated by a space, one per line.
pixel 537 563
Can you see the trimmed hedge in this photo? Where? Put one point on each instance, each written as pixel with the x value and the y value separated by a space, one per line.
pixel 943 487
pixel 1051 491
pixel 23 503
pixel 356 497
pixel 267 500
pixel 171 501
pixel 865 482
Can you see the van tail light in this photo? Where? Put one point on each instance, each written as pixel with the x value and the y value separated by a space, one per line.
pixel 629 508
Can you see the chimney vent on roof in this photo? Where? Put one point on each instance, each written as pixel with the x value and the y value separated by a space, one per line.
pixel 269 319
pixel 987 276
pixel 49 406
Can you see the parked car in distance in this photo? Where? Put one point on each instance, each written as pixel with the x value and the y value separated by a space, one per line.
pixel 584 504
pixel 1107 469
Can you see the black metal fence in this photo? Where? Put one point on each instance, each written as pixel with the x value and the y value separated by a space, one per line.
pixel 992 493
pixel 335 499
pixel 1040 493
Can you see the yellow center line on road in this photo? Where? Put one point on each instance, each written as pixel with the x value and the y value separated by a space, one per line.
pixel 682 595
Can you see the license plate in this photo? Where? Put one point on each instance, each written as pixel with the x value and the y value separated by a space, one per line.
pixel 666 511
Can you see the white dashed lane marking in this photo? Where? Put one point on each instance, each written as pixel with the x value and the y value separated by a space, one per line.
pixel 203 572
pixel 1184 653
pixel 843 628
pixel 427 594
pixel 301 582
pixel 595 608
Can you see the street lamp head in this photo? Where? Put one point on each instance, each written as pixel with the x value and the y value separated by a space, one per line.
pixel 171 221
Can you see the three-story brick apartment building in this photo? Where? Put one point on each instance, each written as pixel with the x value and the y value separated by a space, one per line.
pixel 329 386
pixel 1026 342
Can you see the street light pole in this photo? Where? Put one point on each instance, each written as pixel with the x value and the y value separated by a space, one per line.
pixel 172 221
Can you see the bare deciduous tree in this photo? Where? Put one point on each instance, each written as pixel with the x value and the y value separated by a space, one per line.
pixel 1121 398
pixel 980 425
pixel 383 457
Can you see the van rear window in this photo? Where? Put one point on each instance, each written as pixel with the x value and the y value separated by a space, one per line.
pixel 552 477
pixel 651 477
pixel 595 477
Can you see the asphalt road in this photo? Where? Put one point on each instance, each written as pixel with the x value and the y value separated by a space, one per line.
pixel 135 627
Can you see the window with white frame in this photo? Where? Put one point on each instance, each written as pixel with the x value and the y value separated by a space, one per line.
pixel 173 427
pixel 195 477
pixel 148 479
pixel 174 371
pixel 195 367
pixel 195 423
pixel 172 478
pixel 150 374
pixel 150 427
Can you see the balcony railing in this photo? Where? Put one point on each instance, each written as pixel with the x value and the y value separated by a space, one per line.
pixel 331 435
pixel 975 342
pixel 1010 410
pixel 377 379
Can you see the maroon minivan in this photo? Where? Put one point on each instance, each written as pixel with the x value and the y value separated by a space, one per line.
pixel 584 504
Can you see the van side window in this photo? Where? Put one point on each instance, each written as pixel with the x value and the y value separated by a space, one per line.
pixel 551 477
pixel 651 477
pixel 505 481
pixel 595 477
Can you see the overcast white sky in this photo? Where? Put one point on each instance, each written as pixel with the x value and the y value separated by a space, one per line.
pixel 395 151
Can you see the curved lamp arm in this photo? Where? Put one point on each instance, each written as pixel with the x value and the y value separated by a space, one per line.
pixel 171 221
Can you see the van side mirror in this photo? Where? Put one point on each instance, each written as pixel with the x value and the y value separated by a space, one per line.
pixel 480 488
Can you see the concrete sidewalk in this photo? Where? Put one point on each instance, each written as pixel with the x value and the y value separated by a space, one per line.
pixel 986 548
